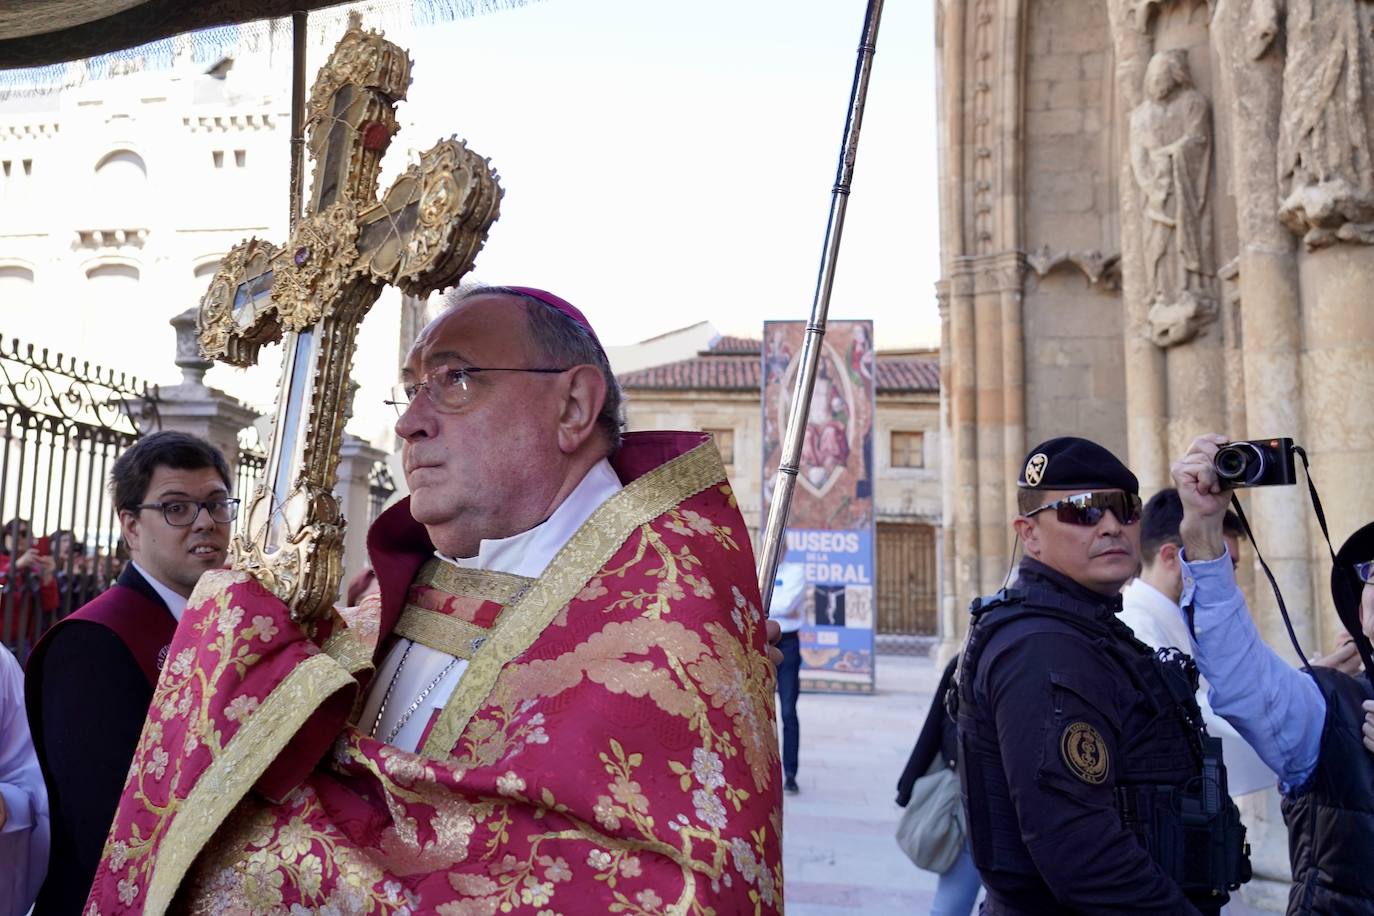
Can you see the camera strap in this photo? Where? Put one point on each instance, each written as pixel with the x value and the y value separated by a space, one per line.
pixel 1362 645
pixel 1273 583
pixel 1361 641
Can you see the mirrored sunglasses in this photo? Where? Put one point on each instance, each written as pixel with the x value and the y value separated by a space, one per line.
pixel 1089 508
pixel 1365 571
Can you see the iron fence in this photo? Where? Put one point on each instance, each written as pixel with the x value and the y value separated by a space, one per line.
pixel 380 486
pixel 252 464
pixel 64 423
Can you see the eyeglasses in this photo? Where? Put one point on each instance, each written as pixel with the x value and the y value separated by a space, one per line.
pixel 1088 509
pixel 448 388
pixel 1365 571
pixel 182 513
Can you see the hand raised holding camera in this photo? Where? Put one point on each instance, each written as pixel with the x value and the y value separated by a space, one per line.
pixel 1204 500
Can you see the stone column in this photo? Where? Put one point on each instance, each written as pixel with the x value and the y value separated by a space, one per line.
pixel 192 406
pixel 964 511
pixel 950 624
pixel 1146 386
pixel 356 460
pixel 1337 377
pixel 993 538
pixel 1010 274
pixel 1269 330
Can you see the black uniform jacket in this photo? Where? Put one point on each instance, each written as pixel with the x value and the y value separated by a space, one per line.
pixel 1056 723
pixel 88 697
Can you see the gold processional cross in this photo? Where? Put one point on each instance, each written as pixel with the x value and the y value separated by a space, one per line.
pixel 422 236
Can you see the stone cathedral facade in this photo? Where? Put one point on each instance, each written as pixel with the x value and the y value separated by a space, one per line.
pixel 1157 220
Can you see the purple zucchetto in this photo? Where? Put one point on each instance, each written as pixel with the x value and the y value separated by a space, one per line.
pixel 563 305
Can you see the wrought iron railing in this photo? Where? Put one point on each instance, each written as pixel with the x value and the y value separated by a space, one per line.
pixel 380 486
pixel 251 466
pixel 63 423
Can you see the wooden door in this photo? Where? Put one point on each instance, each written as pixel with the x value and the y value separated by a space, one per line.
pixel 906 579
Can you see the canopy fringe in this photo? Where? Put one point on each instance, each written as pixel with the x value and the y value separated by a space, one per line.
pixel 268 36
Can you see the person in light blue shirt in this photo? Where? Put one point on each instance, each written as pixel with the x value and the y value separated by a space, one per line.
pixel 1306 725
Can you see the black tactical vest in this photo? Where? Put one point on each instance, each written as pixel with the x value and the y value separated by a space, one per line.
pixel 1163 751
pixel 1331 825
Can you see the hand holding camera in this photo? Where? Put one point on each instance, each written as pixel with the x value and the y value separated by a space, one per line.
pixel 1204 498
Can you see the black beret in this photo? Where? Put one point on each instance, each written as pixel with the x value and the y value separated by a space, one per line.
pixel 1071 463
pixel 1345 585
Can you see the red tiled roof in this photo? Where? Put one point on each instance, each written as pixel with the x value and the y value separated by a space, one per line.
pixel 703 373
pixel 739 345
pixel 908 373
pixel 734 364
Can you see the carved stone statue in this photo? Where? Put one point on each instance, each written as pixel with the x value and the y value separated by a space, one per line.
pixel 1171 159
pixel 1326 172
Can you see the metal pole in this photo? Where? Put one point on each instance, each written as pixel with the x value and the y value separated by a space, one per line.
pixel 789 466
pixel 297 115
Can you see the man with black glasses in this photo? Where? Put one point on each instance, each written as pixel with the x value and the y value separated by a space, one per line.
pixel 91 677
pixel 1075 741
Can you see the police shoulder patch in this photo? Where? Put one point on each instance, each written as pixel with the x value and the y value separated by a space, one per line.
pixel 1085 753
pixel 1035 468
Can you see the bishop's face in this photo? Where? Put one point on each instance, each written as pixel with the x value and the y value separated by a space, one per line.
pixel 492 467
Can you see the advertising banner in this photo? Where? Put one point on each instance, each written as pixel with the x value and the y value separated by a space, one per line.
pixel 827 565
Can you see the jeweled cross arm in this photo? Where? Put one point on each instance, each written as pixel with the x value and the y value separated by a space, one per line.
pixel 421 235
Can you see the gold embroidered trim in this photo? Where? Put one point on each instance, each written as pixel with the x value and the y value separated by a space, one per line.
pixel 441 632
pixel 589 549
pixel 227 780
pixel 348 650
pixel 486 584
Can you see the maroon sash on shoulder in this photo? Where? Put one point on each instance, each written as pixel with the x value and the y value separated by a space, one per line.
pixel 144 626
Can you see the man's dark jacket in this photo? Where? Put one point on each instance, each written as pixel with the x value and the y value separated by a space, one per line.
pixel 88 685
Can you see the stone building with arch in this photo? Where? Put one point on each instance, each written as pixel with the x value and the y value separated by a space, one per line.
pixel 1156 221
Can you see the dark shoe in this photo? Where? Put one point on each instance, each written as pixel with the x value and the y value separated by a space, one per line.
pixel 790 786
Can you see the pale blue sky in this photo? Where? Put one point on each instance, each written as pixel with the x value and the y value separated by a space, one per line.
pixel 668 162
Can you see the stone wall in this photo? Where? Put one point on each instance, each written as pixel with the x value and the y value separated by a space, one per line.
pixel 1075 382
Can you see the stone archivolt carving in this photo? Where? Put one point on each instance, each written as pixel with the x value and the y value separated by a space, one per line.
pixel 1140 12
pixel 1326 171
pixel 1098 269
pixel 1171 160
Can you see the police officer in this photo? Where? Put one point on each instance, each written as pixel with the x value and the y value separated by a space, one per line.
pixel 1089 783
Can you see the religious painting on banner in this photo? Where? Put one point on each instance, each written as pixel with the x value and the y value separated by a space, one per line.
pixel 830 530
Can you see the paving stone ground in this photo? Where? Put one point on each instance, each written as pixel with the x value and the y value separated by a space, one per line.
pixel 838 848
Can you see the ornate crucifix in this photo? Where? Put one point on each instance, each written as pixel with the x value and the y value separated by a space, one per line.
pixel 422 235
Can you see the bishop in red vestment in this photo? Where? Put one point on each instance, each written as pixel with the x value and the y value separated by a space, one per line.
pixel 558 702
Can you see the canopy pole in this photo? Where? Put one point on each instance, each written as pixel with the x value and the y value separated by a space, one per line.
pixel 297 190
pixel 786 481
